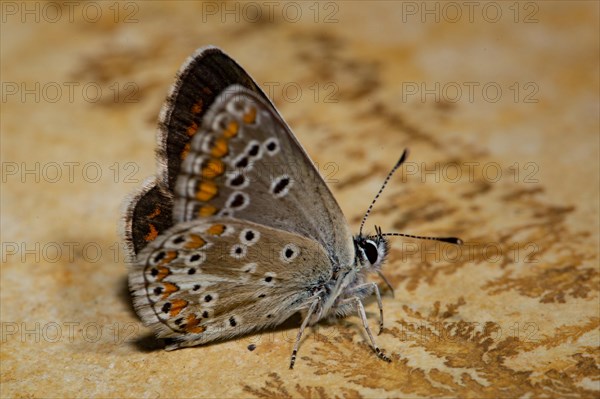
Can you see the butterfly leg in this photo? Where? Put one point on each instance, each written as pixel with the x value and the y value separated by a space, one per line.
pixel 363 317
pixel 375 290
pixel 311 310
pixel 387 282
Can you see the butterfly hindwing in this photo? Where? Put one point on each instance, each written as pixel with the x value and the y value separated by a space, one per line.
pixel 221 277
pixel 245 163
pixel 149 213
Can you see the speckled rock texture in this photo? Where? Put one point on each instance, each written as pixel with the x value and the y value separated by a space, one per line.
pixel 498 103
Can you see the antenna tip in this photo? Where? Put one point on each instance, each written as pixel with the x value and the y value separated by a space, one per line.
pixel 452 240
pixel 402 158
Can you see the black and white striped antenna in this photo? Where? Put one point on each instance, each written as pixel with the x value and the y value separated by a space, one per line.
pixel 450 240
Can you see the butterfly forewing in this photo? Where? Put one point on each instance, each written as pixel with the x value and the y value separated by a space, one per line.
pixel 200 80
pixel 203 76
pixel 221 277
pixel 245 163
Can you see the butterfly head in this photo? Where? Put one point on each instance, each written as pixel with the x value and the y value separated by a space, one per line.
pixel 371 250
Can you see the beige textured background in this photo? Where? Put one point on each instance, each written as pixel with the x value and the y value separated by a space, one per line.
pixel 515 314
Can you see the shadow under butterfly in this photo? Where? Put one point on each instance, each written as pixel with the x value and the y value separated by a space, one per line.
pixel 238 231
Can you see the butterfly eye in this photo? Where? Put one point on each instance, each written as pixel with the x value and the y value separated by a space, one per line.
pixel 371 252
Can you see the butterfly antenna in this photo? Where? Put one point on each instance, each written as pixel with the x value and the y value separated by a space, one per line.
pixel 389 176
pixel 450 240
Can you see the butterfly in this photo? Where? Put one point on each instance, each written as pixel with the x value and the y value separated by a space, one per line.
pixel 238 231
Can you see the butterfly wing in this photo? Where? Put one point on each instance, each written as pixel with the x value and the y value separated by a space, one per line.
pixel 149 212
pixel 203 76
pixel 246 163
pixel 200 80
pixel 218 277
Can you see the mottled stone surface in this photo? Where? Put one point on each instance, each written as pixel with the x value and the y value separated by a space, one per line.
pixel 502 120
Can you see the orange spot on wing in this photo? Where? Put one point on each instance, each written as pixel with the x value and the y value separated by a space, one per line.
pixel 162 273
pixel 216 229
pixel 152 234
pixel 177 306
pixel 213 168
pixel 154 214
pixel 197 108
pixel 168 289
pixel 170 255
pixel 232 130
pixel 250 116
pixel 192 129
pixel 207 190
pixel 207 210
pixel 220 148
pixel 195 242
pixel 192 325
pixel 185 151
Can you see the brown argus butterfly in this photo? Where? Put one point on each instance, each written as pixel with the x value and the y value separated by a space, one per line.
pixel 238 231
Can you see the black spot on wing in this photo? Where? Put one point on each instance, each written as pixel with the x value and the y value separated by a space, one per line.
pixel 281 185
